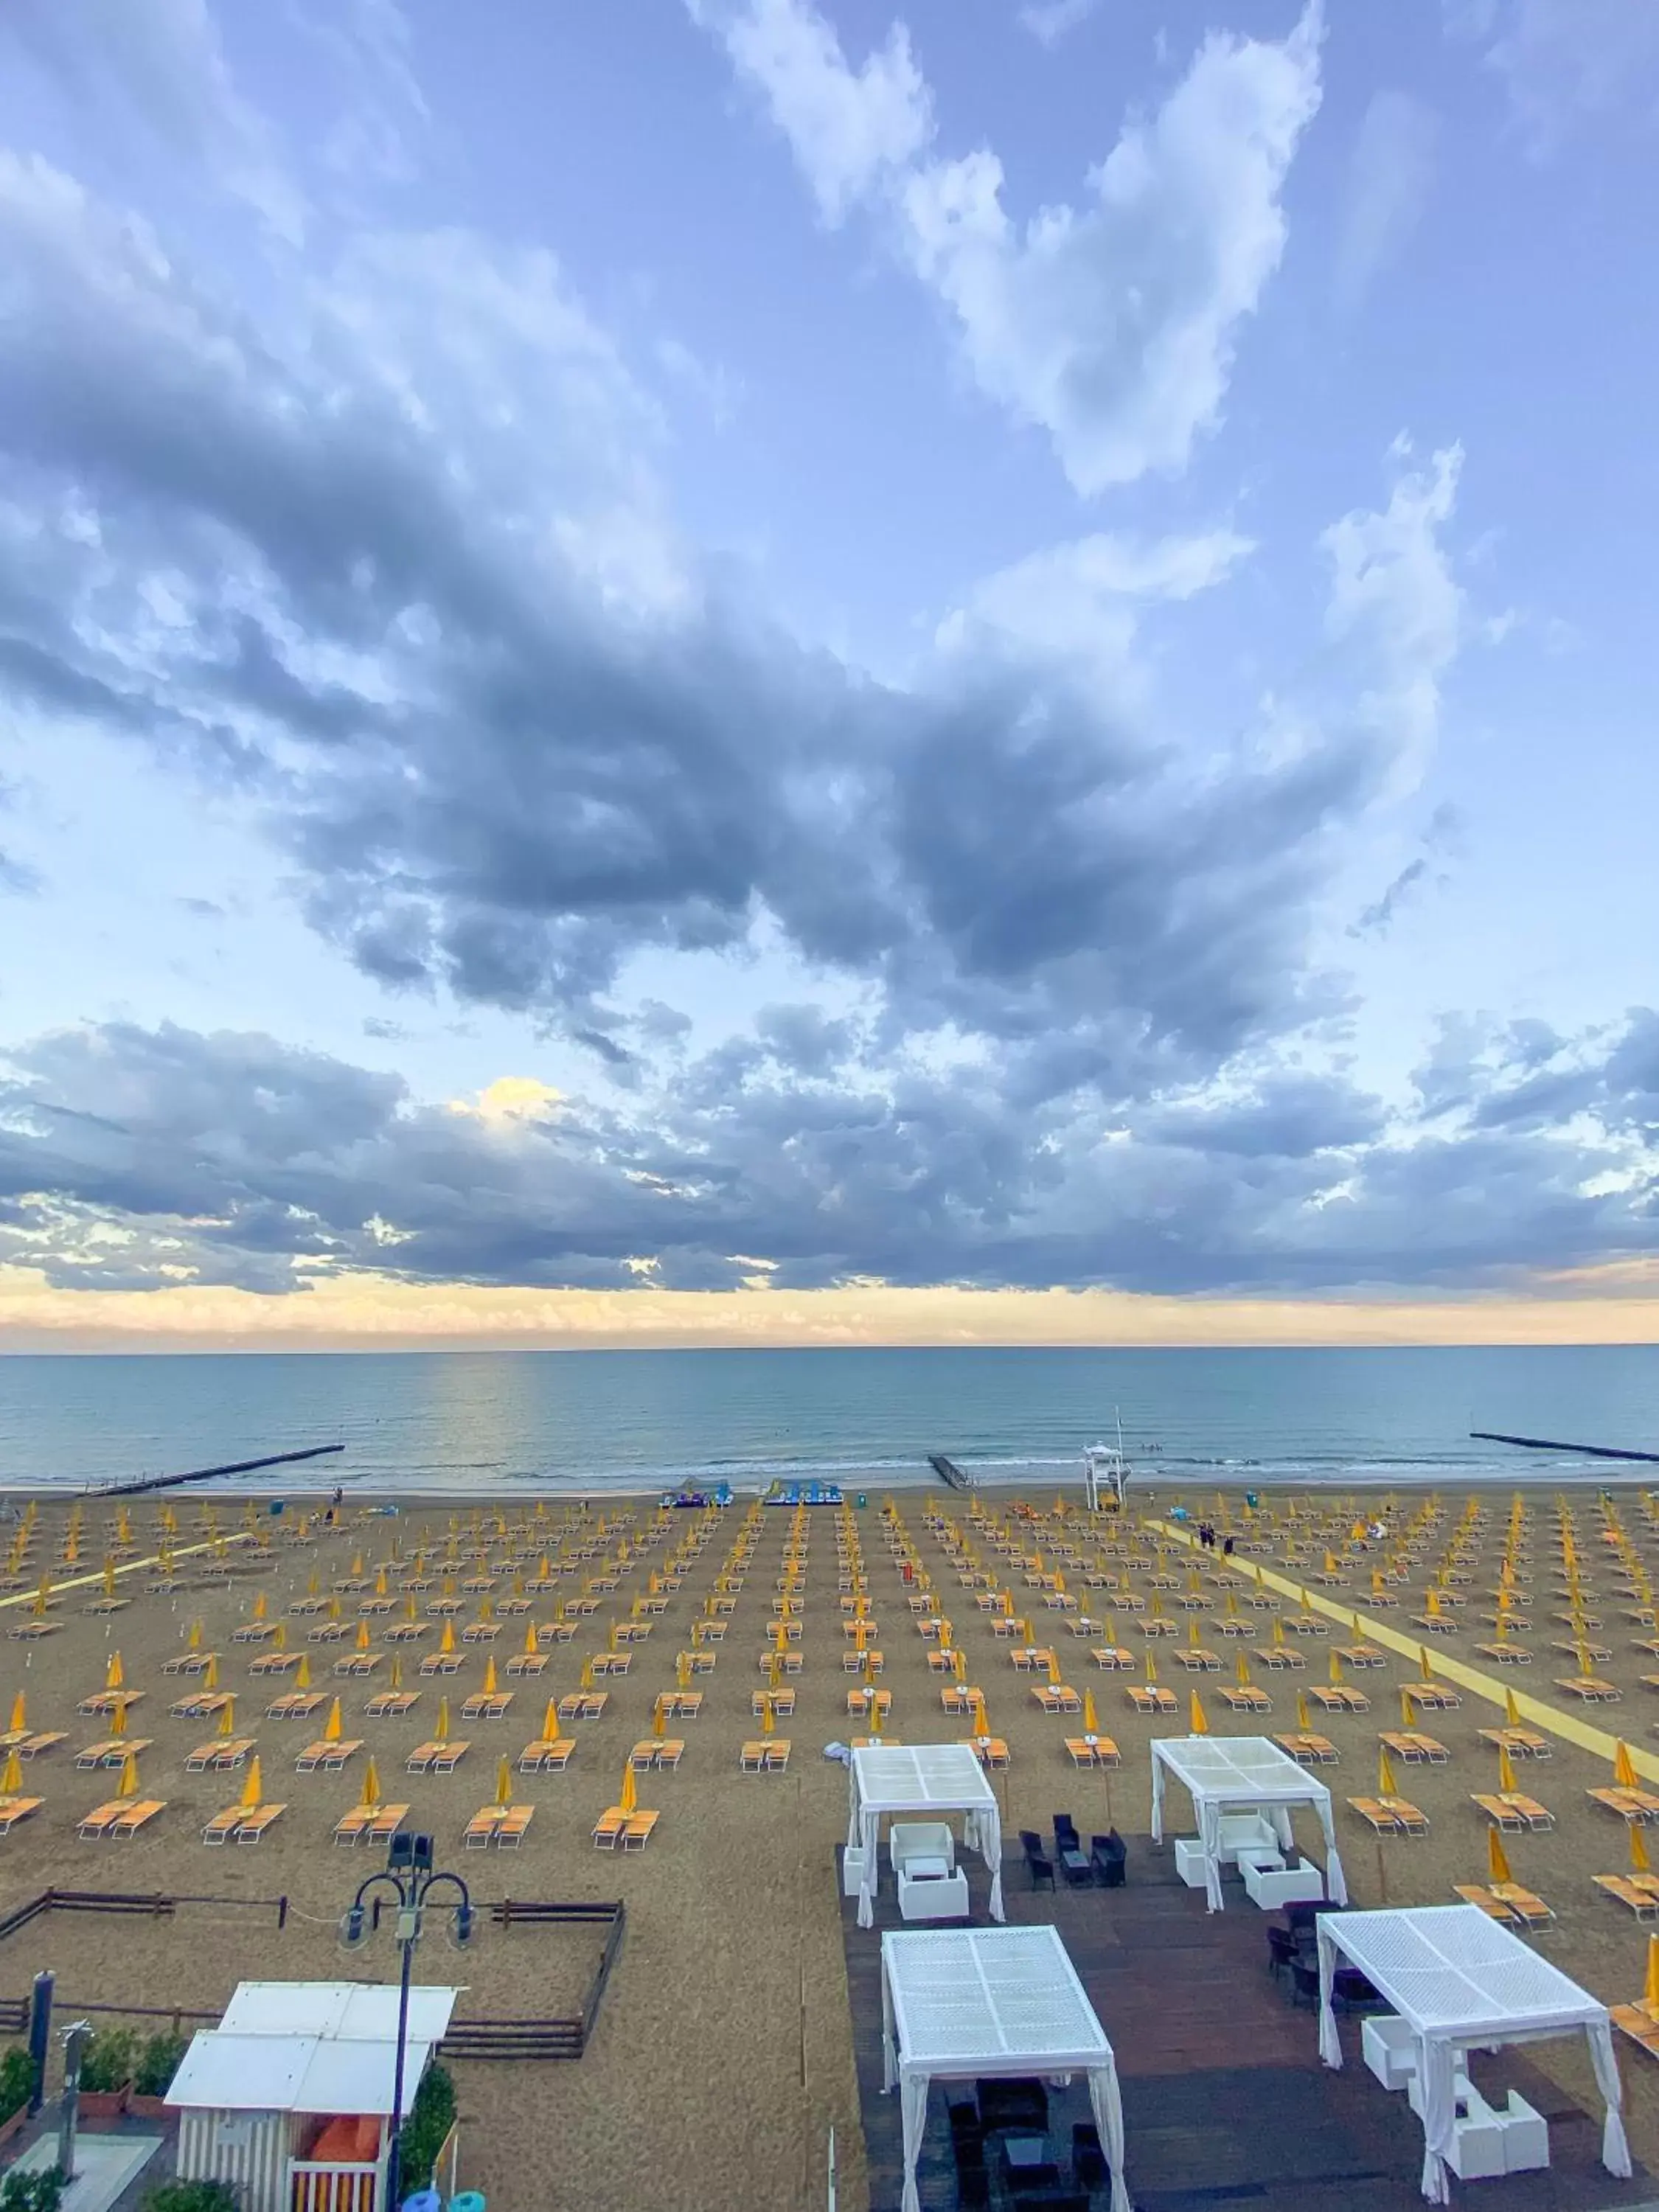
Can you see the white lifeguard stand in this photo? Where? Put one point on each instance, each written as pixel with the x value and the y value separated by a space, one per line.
pixel 1106 1476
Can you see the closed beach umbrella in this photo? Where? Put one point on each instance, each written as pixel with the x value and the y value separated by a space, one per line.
pixel 1425 1665
pixel 1650 1992
pixel 531 1646
pixel 302 1672
pixel 1386 1785
pixel 1196 1722
pixel 959 1665
pixel 129 1777
pixel 1505 1770
pixel 396 1678
pixel 210 1673
pixel 659 1717
pixel 251 1787
pixel 11 1781
pixel 442 1732
pixel 1053 1670
pixel 1624 1768
pixel 332 1730
pixel 586 1678
pixel 490 1677
pixel 683 1670
pixel 1498 1864
pixel 1241 1670
pixel 1152 1664
pixel 1303 1719
pixel 227 1717
pixel 109 1578
pixel 114 1673
pixel 117 1721
pixel 1192 1633
pixel 18 1709
pixel 630 1791
pixel 193 1641
pixel 550 1720
pixel 363 1636
pixel 504 1783
pixel 1336 1670
pixel 371 1796
pixel 1639 1862
pixel 1278 1630
pixel 446 1641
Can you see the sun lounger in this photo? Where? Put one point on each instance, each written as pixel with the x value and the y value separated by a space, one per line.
pixel 1521 1743
pixel 1639 2025
pixel 483 1826
pixel 189 1663
pixel 782 1701
pixel 582 1705
pixel 1197 1660
pixel 990 1751
pixel 45 1739
pixel 1530 1908
pixel 671 1749
pixel 219 1752
pixel 636 1831
pixel 546 1753
pixel 255 1822
pixel 1494 1907
pixel 1247 1700
pixel 325 1757
pixel 33 1630
pixel 1391 1816
pixel 351 1828
pixel 1278 1658
pixel 526 1662
pixel 511 1829
pixel 358 1663
pixel 1092 1750
pixel 385 1823
pixel 440 1662
pixel 14 1809
pixel 131 1818
pixel 1114 1658
pixel 390 1704
pixel 608 1827
pixel 1643 1903
pixel 221 1828
pixel 1059 1698
pixel 491 1708
pixel 97 1824
pixel 436 1758
pixel 202 1707
pixel 275 1663
pixel 1415 1750
pixel 296 1705
pixel 1152 1697
pixel 1338 1699
pixel 1589 1689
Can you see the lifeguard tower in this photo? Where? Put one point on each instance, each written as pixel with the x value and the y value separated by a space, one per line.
pixel 1106 1477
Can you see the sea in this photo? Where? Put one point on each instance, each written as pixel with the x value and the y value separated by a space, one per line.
pixel 576 1423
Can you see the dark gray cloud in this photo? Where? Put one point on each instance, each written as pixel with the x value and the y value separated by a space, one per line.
pixel 133 1159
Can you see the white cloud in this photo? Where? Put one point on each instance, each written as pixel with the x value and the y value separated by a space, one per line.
pixel 161 62
pixel 1564 63
pixel 849 128
pixel 1112 326
pixel 1079 602
pixel 1390 171
pixel 1048 21
pixel 1397 610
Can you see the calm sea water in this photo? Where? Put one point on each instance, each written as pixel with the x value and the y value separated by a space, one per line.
pixel 455 1421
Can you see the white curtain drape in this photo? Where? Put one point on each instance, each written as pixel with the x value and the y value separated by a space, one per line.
pixel 982 1831
pixel 1209 1815
pixel 1615 2150
pixel 1437 2071
pixel 1330 2043
pixel 1106 2102
pixel 1209 1835
pixel 912 2116
pixel 1336 1887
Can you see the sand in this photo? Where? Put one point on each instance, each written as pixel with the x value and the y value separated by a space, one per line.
pixel 724 2054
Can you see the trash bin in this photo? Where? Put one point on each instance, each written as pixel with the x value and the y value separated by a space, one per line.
pixel 424 2200
pixel 863 1500
pixel 470 2200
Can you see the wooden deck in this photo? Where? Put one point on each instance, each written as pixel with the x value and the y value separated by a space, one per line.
pixel 1224 2100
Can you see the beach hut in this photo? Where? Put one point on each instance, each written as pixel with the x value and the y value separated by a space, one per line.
pixel 288 2101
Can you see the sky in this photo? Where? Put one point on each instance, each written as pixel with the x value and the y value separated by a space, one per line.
pixel 774 670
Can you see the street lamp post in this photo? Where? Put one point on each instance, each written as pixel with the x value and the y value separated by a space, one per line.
pixel 410 1877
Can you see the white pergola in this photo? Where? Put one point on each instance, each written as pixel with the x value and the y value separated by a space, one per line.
pixel 1239 1774
pixel 968 2003
pixel 1461 1983
pixel 891 1780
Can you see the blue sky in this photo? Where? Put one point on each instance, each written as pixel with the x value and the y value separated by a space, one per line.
pixel 729 653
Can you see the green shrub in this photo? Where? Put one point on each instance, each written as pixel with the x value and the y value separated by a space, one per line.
pixel 108 2059
pixel 158 2061
pixel 430 2118
pixel 192 2197
pixel 17 2080
pixel 33 2192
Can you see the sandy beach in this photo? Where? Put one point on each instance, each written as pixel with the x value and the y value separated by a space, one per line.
pixel 724 2054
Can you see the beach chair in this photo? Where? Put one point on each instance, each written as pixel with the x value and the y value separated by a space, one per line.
pixel 1643 1903
pixel 483 1826
pixel 1152 1697
pixel 14 1809
pixel 326 1757
pixel 752 1759
pixel 446 1757
pixel 440 1662
pixel 1502 1812
pixel 296 1705
pixel 131 1818
pixel 777 1753
pixel 1588 1689
pixel 1521 1743
pixel 783 1701
pixel 608 1828
pixel 95 1825
pixel 256 1820
pixel 1247 1700
pixel 1493 1907
pixel 218 1753
pixel 385 1823
pixel 390 1704
pixel 1114 1659
pixel 44 1739
pixel 671 1749
pixel 422 1757
pixel 548 1753
pixel 358 1663
pixel 490 1707
pixel 1639 2025
pixel 527 1663
pixel 512 1827
pixel 189 1663
pixel 990 1751
pixel 636 1831
pixel 351 1828
pixel 1528 1908
pixel 224 1826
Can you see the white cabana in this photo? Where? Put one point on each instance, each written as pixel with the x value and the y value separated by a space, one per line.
pixel 1461 1983
pixel 1228 1774
pixel 891 1779
pixel 961 2004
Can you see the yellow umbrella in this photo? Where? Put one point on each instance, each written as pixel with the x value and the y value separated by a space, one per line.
pixel 959 1665
pixel 114 1673
pixel 489 1676
pixel 1278 1630
pixel 1651 1992
pixel 550 1720
pixel 1498 1864
pixel 109 1578
pixel 1386 1785
pixel 371 1796
pixel 193 1641
pixel 1197 1724
pixel 1053 1670
pixel 1638 1849
pixel 768 1720
pixel 1624 1768
pixel 259 1604
pixel 1505 1770
pixel 227 1717
pixel 1425 1666
pixel 630 1791
pixel 1241 1670
pixel 447 1641
pixel 504 1783
pixel 660 1718
pixel 1192 1633
pixel 18 1707
pixel 250 1795
pixel 1336 1670
pixel 586 1678
pixel 332 1730
pixel 1303 1718
pixel 683 1670
pixel 1152 1664
pixel 396 1673
pixel 129 1777
pixel 210 1671
pixel 11 1782
pixel 363 1636
pixel 1089 1723
pixel 117 1721
pixel 302 1672
pixel 1407 1716
pixel 442 1732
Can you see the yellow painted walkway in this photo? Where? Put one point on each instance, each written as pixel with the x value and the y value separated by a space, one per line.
pixel 1551 1718
pixel 132 1567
